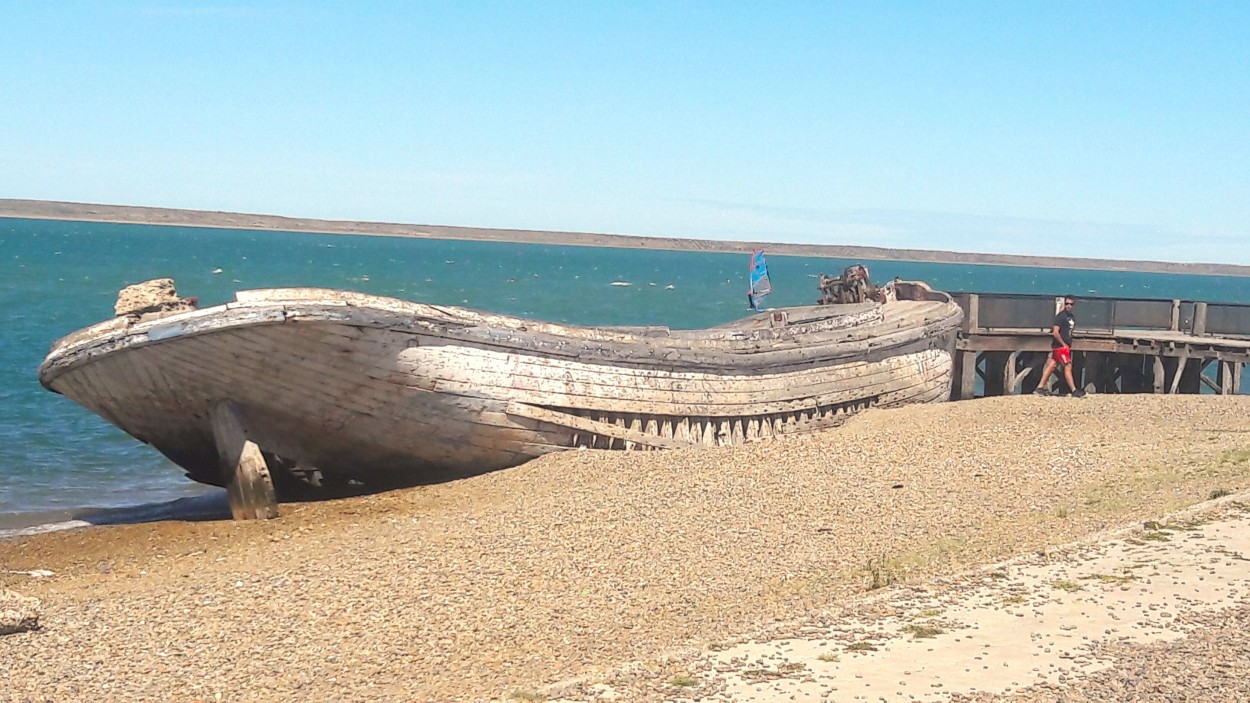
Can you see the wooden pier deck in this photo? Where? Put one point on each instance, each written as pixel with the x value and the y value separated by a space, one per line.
pixel 1119 346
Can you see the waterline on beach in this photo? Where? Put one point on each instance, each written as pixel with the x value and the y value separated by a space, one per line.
pixel 210 506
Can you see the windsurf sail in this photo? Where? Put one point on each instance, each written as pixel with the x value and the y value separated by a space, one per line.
pixel 760 285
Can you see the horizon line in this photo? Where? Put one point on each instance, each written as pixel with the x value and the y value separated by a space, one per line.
pixel 14 208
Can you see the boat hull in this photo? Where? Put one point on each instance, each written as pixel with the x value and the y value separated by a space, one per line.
pixel 383 392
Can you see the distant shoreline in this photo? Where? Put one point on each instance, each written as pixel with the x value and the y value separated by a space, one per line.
pixel 127 214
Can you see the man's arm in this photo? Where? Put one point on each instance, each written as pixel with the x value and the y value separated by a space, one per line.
pixel 1054 332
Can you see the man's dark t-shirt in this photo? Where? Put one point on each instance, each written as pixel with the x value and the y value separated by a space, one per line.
pixel 1066 321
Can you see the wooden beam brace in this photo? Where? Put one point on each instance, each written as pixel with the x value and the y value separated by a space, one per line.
pixel 249 486
pixel 1020 376
pixel 1180 371
pixel 1225 374
pixel 1211 384
pixel 585 424
pixel 1011 381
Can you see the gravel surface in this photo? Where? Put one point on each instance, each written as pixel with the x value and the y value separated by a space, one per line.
pixel 1036 625
pixel 576 564
pixel 1209 666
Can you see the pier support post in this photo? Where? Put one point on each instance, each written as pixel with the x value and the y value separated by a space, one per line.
pixel 1177 374
pixel 966 374
pixel 1200 320
pixel 1228 377
pixel 249 486
pixel 972 320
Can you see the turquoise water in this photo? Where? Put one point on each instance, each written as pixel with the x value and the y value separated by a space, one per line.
pixel 60 276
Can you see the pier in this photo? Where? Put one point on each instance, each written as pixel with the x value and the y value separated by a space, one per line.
pixel 1121 345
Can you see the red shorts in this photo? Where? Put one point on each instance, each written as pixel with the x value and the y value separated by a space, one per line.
pixel 1062 355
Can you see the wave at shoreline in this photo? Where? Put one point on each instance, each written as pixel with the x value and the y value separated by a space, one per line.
pixel 210 506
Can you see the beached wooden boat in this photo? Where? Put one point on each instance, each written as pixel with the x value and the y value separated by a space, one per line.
pixel 338 386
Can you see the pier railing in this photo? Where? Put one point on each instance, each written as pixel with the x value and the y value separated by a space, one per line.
pixel 991 311
pixel 1121 345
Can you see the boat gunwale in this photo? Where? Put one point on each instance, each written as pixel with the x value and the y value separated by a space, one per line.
pixel 122 332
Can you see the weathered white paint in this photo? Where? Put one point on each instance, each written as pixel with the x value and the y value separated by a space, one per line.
pixel 379 389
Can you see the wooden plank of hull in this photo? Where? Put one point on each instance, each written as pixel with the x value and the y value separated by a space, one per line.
pixel 699 349
pixel 808 320
pixel 550 382
pixel 738 357
pixel 853 381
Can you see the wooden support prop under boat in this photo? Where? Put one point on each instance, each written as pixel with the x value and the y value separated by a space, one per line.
pixel 249 486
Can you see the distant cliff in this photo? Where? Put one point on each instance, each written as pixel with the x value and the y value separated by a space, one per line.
pixel 87 212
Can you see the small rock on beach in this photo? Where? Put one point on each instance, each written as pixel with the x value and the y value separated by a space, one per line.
pixel 18 613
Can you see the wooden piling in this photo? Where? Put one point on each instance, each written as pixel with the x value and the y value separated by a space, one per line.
pixel 1200 320
pixel 966 374
pixel 1228 377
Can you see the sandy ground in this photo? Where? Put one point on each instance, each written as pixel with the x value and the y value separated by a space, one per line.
pixel 1038 626
pixel 644 576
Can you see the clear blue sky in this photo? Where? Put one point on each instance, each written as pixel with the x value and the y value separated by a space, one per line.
pixel 1106 129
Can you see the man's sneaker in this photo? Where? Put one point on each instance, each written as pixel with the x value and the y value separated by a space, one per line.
pixel 1044 392
pixel 1078 393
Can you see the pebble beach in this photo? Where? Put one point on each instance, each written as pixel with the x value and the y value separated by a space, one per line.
pixel 602 575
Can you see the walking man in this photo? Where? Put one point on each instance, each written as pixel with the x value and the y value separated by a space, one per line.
pixel 1061 350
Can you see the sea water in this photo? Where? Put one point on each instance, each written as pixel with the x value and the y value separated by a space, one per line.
pixel 56 277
